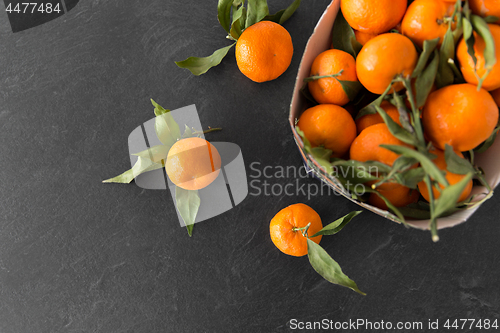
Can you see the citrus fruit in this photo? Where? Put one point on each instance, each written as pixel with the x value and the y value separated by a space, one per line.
pixel 284 233
pixel 492 81
pixel 485 7
pixel 264 51
pixel 192 163
pixel 373 17
pixel 397 194
pixel 460 116
pixel 366 146
pixel 382 59
pixel 329 126
pixel 363 37
pixel 427 19
pixel 329 90
pixel 372 119
pixel 452 178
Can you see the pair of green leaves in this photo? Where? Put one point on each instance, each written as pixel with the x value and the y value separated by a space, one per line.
pixel 323 263
pixel 473 23
pixel 168 132
pixel 235 17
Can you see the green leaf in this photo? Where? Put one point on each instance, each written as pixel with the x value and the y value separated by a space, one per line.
pixel 187 132
pixel 156 154
pixel 469 39
pixel 199 66
pixel 167 130
pixel 430 168
pixel 396 130
pixel 257 10
pixel 429 47
pixel 449 196
pixel 445 73
pixel 351 88
pixel 289 11
pixel 391 207
pixel 401 164
pixel 416 211
pixel 410 178
pixel 276 17
pixel 328 268
pixel 369 166
pixel 491 19
pixel 141 165
pixel 425 80
pixel 481 27
pixel 307 94
pixel 370 108
pixel 320 155
pixel 159 110
pixel 337 225
pixel 455 163
pixel 188 203
pixel 238 22
pixel 224 13
pixel 343 37
pixel 487 144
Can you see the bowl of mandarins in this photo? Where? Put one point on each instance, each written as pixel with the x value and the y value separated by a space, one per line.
pixel 396 107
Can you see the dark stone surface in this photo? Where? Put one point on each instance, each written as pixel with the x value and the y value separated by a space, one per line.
pixel 77 255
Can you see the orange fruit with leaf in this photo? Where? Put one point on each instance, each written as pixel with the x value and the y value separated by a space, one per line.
pixel 383 59
pixel 460 116
pixel 472 72
pixel 193 163
pixel 397 194
pixel 372 119
pixel 264 51
pixel 373 17
pixel 329 126
pixel 286 232
pixel 366 146
pixel 328 68
pixel 452 178
pixel 427 19
pixel 264 48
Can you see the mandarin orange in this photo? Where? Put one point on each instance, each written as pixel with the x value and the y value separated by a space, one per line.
pixel 373 17
pixel 329 90
pixel 193 163
pixel 460 116
pixel 284 225
pixel 467 67
pixel 329 126
pixel 264 51
pixel 382 59
pixel 366 146
pixel 427 19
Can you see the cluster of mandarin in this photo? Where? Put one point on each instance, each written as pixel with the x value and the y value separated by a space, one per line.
pixel 392 34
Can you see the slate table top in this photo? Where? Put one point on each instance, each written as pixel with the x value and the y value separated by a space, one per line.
pixel 77 255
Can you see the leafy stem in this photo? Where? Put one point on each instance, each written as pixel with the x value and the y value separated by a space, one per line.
pixel 415 114
pixel 303 230
pixel 433 222
pixel 317 77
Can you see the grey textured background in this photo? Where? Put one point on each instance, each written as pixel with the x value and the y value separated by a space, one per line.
pixel 80 256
